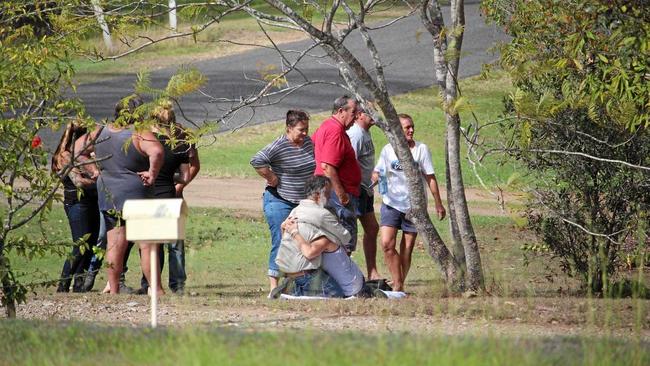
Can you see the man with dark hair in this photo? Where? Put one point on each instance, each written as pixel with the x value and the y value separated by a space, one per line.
pixel 335 159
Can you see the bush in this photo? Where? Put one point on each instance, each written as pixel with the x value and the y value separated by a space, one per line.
pixel 590 214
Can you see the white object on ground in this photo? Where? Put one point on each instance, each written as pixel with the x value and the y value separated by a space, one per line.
pixel 389 294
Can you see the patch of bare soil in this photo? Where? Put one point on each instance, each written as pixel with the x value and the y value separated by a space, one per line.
pixel 262 315
pixel 245 194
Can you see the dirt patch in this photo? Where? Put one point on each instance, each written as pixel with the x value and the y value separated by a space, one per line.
pixel 262 315
pixel 245 194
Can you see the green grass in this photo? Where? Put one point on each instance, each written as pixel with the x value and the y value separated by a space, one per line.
pixel 229 155
pixel 46 343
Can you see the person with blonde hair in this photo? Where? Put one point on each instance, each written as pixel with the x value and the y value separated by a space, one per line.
pixel 180 166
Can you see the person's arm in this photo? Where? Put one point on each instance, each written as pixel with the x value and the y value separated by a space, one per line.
pixel 433 186
pixel 331 172
pixel 309 250
pixel 83 147
pixel 184 175
pixel 261 162
pixel 194 167
pixel 266 173
pixel 150 146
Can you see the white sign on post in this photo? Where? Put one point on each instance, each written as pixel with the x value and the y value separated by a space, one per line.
pixel 155 220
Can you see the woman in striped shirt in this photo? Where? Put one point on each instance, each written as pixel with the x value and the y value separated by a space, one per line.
pixel 286 164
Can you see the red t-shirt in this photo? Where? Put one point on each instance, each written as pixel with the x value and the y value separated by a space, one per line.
pixel 332 146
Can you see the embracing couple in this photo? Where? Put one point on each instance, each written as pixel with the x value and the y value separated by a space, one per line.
pixel 312 252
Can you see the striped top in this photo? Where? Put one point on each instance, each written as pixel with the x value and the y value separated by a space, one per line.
pixel 292 164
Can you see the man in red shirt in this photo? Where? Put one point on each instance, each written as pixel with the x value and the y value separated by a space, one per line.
pixel 335 159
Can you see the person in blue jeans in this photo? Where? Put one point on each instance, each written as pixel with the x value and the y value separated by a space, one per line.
pixel 180 157
pixel 285 164
pixel 81 208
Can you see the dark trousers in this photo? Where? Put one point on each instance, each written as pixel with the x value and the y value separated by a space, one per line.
pixel 83 217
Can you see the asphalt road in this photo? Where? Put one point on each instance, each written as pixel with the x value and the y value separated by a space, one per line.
pixel 405 47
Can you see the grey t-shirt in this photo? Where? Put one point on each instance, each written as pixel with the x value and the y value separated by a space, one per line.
pixel 344 271
pixel 365 151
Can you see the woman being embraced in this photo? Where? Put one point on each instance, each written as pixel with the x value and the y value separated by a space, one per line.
pixel 286 164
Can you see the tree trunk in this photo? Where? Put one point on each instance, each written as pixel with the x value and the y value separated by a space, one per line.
pixel 172 15
pixel 7 288
pixel 457 246
pixel 106 33
pixel 446 60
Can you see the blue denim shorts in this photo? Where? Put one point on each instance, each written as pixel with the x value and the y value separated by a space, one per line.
pixel 397 219
pixel 366 202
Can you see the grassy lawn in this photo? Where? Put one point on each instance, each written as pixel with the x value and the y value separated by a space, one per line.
pixel 228 154
pixel 37 343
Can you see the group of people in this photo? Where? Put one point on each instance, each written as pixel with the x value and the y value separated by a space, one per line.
pixel 103 168
pixel 316 190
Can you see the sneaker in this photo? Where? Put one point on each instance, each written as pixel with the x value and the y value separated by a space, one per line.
pixel 124 289
pixel 377 293
pixel 89 281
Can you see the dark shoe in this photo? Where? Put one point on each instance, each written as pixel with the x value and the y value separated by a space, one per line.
pixel 279 290
pixel 140 291
pixel 379 294
pixel 89 281
pixel 124 289
pixel 62 289
pixel 180 291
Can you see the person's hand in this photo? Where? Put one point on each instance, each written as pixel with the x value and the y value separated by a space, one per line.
pixel 290 224
pixel 344 198
pixel 147 178
pixel 272 180
pixel 179 189
pixel 440 210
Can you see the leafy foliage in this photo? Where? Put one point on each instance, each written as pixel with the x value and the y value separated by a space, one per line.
pixel 34 68
pixel 590 54
pixel 579 120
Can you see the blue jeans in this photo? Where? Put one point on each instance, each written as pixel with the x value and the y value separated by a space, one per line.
pixel 83 217
pixel 347 216
pixel 276 210
pixel 317 283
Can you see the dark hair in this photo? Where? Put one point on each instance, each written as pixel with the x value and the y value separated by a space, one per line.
pixel 294 116
pixel 315 184
pixel 405 116
pixel 125 109
pixel 70 135
pixel 341 102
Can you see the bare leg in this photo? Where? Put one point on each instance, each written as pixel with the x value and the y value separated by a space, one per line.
pixel 273 282
pixel 145 263
pixel 370 230
pixel 116 247
pixel 391 257
pixel 406 250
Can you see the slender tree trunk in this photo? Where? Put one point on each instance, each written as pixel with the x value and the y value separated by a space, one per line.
pixel 7 288
pixel 106 33
pixel 172 15
pixel 457 246
pixel 446 60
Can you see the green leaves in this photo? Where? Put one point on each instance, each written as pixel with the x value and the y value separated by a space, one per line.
pixel 591 52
